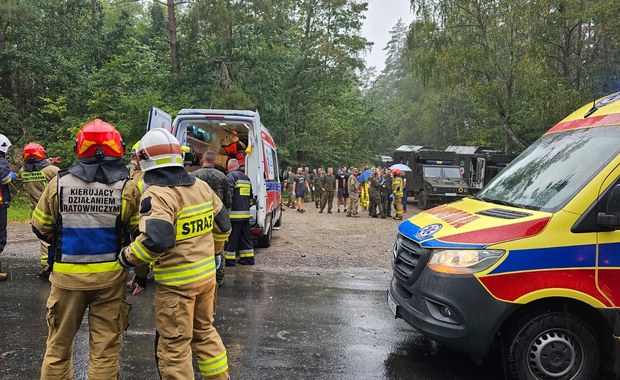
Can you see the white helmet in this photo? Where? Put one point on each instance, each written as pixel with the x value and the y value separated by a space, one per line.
pixel 159 149
pixel 5 143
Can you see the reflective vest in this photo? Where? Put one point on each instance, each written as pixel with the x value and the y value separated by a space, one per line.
pixel 89 225
pixel 397 187
pixel 241 194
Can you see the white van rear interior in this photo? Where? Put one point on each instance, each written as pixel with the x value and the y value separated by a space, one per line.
pixel 203 135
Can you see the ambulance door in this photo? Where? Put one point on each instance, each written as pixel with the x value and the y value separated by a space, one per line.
pixel 608 242
pixel 255 169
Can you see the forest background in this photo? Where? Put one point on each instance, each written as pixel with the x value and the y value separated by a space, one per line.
pixel 494 73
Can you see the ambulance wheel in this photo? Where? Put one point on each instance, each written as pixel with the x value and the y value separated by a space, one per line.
pixel 278 222
pixel 554 345
pixel 265 240
pixel 423 202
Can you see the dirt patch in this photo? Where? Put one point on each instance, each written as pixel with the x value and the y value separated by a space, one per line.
pixel 331 241
pixel 304 241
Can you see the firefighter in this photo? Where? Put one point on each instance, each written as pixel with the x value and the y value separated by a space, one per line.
pixel 36 174
pixel 135 172
pixel 397 189
pixel 216 179
pixel 85 213
pixel 6 177
pixel 182 226
pixel 240 240
pixel 235 150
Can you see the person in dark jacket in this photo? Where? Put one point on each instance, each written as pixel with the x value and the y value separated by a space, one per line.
pixel 6 177
pixel 240 240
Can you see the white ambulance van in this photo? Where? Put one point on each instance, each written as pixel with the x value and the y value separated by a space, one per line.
pixel 207 129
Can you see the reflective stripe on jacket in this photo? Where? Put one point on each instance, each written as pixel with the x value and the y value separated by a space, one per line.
pixel 241 189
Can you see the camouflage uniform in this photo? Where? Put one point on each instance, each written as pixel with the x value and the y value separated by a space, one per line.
pixel 353 186
pixel 387 208
pixel 375 197
pixel 289 188
pixel 218 183
pixel 328 186
pixel 316 183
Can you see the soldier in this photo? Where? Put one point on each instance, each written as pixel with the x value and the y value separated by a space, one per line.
pixel 316 184
pixel 6 177
pixel 85 213
pixel 308 180
pixel 389 179
pixel 290 177
pixel 240 240
pixel 311 183
pixel 383 193
pixel 329 186
pixel 182 225
pixel 353 186
pixel 219 184
pixel 374 193
pixel 397 190
pixel 36 174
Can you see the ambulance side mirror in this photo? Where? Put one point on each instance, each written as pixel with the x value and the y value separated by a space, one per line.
pixel 610 219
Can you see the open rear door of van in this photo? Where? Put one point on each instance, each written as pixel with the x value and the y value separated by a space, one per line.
pixel 159 119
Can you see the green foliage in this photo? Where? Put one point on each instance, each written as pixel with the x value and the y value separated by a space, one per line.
pixel 497 73
pixel 493 73
pixel 19 212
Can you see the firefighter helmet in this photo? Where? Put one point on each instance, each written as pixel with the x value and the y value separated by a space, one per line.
pixel 34 151
pixel 99 139
pixel 5 143
pixel 396 172
pixel 159 149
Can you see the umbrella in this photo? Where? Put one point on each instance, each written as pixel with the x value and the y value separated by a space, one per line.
pixel 364 175
pixel 401 167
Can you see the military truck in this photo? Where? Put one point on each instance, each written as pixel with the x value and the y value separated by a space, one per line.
pixel 434 178
pixel 479 164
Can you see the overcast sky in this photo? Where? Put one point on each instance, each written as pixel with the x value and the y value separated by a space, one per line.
pixel 382 15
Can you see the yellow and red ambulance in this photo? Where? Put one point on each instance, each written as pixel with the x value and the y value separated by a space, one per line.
pixel 529 267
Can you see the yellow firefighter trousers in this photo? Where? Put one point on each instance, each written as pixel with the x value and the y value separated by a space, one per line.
pixel 44 247
pixel 184 321
pixel 108 316
pixel 398 205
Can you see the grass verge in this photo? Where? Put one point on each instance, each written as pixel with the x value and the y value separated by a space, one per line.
pixel 19 212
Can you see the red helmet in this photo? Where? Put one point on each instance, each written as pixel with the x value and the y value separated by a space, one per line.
pixel 396 171
pixel 99 137
pixel 34 151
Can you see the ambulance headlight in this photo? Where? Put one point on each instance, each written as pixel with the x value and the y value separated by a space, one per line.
pixel 463 261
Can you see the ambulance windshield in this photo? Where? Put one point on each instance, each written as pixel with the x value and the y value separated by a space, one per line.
pixel 550 172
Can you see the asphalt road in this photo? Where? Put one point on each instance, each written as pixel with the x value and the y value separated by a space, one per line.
pixel 277 322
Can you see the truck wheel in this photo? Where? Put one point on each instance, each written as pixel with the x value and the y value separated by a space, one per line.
pixel 265 240
pixel 423 201
pixel 558 346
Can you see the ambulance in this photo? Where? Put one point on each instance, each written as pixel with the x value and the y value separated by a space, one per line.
pixel 211 129
pixel 527 271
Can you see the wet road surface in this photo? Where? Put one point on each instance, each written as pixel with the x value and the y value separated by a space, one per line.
pixel 275 325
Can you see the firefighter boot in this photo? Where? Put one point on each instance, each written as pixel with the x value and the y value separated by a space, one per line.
pixel 3 275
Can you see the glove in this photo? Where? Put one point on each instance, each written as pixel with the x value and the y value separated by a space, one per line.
pixel 391 196
pixel 218 261
pixel 140 281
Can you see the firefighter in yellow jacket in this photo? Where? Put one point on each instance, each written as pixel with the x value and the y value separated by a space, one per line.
pixel 36 173
pixel 397 189
pixel 182 226
pixel 85 213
